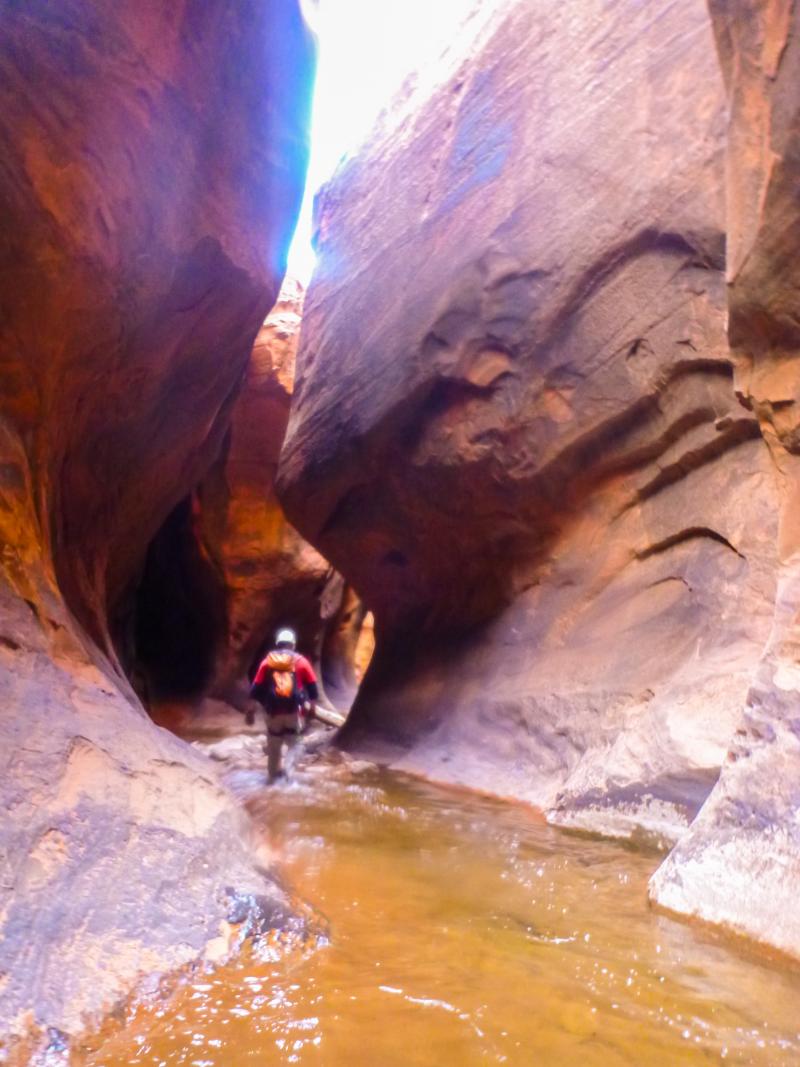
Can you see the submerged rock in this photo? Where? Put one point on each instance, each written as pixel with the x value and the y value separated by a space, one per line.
pixel 521 432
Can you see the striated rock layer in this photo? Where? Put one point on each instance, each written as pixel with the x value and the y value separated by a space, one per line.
pixel 153 159
pixel 521 432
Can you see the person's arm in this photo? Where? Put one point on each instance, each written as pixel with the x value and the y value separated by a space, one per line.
pixel 312 691
pixel 308 682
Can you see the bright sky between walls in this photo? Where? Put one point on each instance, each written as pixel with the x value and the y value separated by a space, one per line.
pixel 367 48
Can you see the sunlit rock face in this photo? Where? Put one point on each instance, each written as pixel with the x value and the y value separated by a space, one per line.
pixel 270 573
pixel 519 428
pixel 227 570
pixel 740 862
pixel 153 159
pixel 271 576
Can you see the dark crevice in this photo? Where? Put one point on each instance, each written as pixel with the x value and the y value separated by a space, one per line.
pixel 739 431
pixel 701 365
pixel 689 534
pixel 395 558
pixel 179 613
pixel 609 438
pixel 640 344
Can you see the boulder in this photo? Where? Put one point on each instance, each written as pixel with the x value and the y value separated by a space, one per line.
pixel 520 430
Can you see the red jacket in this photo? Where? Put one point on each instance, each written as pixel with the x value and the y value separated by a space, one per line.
pixel 306 680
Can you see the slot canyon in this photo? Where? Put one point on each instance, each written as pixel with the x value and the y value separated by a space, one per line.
pixel 518 466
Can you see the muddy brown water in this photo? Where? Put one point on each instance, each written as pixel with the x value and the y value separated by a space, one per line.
pixel 462 931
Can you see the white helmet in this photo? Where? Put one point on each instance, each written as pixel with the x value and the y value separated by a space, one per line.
pixel 286 637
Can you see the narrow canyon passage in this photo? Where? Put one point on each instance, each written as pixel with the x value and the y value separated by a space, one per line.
pixel 506 439
pixel 457 931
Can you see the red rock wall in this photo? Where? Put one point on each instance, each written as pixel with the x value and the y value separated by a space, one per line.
pixel 271 575
pixel 227 570
pixel 152 168
pixel 520 429
pixel 740 862
pixel 155 187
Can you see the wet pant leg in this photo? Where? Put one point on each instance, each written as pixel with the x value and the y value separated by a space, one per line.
pixel 281 728
pixel 274 754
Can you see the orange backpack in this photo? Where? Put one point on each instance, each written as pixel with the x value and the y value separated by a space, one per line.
pixel 282 678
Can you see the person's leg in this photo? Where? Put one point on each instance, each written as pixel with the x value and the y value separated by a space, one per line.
pixel 274 754
pixel 297 724
pixel 281 728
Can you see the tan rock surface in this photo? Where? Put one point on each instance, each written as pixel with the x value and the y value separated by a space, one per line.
pixel 120 853
pixel 519 428
pixel 152 169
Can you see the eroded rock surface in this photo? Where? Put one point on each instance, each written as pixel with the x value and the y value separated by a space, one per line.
pixel 740 862
pixel 153 160
pixel 520 429
pixel 120 854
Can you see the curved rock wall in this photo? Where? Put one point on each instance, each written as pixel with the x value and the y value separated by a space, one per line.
pixel 153 159
pixel 520 429
pixel 157 182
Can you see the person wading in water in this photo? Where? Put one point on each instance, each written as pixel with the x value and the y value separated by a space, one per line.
pixel 286 687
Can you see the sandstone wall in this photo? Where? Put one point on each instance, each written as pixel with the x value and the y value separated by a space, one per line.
pixel 153 158
pixel 740 862
pixel 270 573
pixel 520 429
pixel 227 569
